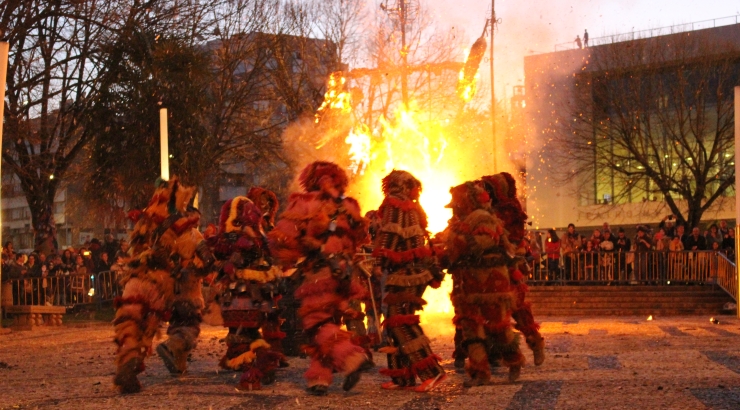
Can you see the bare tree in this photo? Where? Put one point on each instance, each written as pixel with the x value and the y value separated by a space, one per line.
pixel 54 77
pixel 652 120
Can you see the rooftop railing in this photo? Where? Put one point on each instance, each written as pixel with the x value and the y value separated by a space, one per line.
pixel 654 32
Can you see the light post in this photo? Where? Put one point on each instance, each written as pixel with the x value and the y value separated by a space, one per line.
pixel 164 151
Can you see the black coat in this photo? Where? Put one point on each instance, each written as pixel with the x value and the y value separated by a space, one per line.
pixel 700 242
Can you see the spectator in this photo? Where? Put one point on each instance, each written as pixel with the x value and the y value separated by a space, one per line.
pixel 578 42
pixel 714 236
pixel 68 261
pixel 642 242
pixel 88 259
pixel 589 260
pixel 728 244
pixel 124 245
pixel 570 245
pixel 33 266
pixel 642 248
pixel 596 238
pixel 8 251
pixel 110 245
pixel 552 248
pixel 668 226
pixel 607 258
pixel 681 233
pixel 695 242
pixel 103 264
pixel 724 229
pixel 605 228
pixel 585 38
pixel 622 246
pixel 535 249
pixel 676 259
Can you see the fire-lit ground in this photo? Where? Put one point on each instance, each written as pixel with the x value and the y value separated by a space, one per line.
pixel 594 363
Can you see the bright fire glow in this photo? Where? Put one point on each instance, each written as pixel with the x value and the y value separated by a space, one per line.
pixel 439 149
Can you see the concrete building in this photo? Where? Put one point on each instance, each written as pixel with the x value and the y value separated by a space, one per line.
pixel 563 85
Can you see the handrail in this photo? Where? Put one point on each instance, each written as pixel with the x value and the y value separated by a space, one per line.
pixel 67 290
pixel 727 276
pixel 655 32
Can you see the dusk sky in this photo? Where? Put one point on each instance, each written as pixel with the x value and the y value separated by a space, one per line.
pixel 529 27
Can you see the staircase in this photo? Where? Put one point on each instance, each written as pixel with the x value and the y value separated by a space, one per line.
pixel 623 300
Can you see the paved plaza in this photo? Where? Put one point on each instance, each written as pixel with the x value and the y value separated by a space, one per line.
pixel 593 363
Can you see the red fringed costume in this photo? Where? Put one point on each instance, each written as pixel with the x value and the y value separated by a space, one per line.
pixel 478 253
pixel 320 233
pixel 406 258
pixel 249 286
pixel 267 203
pixel 163 283
pixel 502 190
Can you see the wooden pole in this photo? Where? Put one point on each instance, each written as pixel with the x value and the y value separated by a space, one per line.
pixel 4 48
pixel 164 145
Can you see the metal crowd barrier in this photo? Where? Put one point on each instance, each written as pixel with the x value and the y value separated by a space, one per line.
pixel 68 290
pixel 651 267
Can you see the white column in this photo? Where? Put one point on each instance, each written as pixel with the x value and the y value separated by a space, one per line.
pixel 3 74
pixel 164 144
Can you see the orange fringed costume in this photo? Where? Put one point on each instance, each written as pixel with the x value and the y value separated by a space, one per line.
pixel 325 228
pixel 163 283
pixel 478 253
pixel 407 261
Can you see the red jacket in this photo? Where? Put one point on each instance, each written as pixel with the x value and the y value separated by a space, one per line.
pixel 552 249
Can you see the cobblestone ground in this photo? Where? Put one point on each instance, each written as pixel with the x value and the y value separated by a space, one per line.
pixel 593 363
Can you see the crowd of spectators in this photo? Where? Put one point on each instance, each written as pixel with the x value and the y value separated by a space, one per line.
pixel 615 249
pixel 37 278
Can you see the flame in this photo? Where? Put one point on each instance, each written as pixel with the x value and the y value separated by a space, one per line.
pixel 467 85
pixel 466 89
pixel 359 141
pixel 336 99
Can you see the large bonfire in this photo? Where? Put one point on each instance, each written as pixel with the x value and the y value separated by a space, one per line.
pixel 441 149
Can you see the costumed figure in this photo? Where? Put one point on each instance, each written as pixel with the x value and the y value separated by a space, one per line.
pixel 319 233
pixel 502 190
pixel 163 283
pixel 249 283
pixel 267 203
pixel 478 255
pixel 405 257
pixel 369 336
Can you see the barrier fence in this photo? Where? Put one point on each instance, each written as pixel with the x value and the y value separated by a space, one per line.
pixel 651 267
pixel 595 268
pixel 62 290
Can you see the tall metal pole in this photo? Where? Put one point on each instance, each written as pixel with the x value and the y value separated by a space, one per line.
pixel 737 197
pixel 493 93
pixel 4 48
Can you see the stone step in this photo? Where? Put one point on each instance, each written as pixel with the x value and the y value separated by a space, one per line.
pixel 627 300
pixel 625 288
pixel 627 305
pixel 628 312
